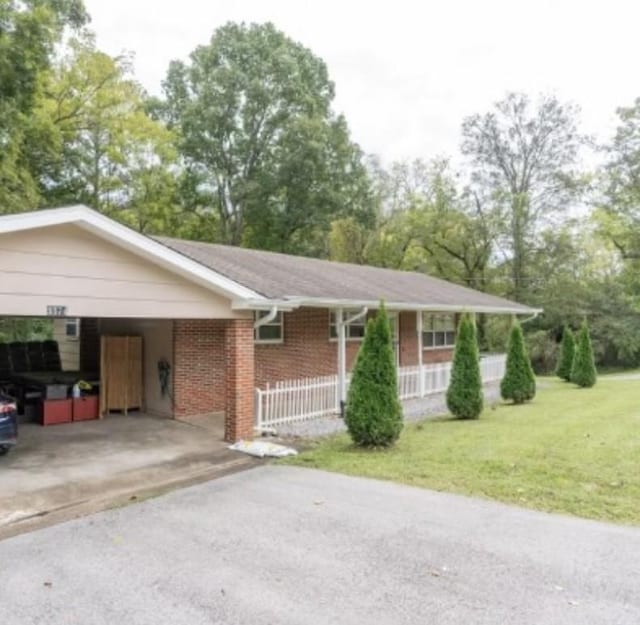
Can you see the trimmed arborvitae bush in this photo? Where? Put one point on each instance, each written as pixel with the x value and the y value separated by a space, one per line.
pixel 374 414
pixel 567 352
pixel 583 372
pixel 519 381
pixel 464 395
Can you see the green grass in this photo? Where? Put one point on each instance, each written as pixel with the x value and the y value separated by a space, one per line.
pixel 571 450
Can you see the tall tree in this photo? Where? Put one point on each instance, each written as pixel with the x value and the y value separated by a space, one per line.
pixel 29 31
pixel 567 353
pixel 620 214
pixel 523 155
pixel 374 413
pixel 429 224
pixel 465 398
pixel 583 371
pixel 270 164
pixel 519 381
pixel 112 154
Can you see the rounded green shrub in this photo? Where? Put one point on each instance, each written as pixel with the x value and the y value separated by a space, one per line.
pixel 583 371
pixel 373 413
pixel 464 395
pixel 567 352
pixel 519 381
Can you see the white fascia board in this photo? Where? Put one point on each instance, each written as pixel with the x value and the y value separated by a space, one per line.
pixel 407 306
pixel 129 239
pixel 264 303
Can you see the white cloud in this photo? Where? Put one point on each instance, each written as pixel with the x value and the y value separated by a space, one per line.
pixel 407 72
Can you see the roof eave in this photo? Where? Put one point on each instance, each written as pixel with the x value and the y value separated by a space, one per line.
pixel 291 303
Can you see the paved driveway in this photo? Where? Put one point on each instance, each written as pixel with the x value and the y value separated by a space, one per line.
pixel 291 546
pixel 90 464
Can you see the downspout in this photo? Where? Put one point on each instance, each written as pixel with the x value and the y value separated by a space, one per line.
pixel 268 318
pixel 531 318
pixel 341 324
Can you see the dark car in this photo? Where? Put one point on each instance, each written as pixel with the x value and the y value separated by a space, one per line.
pixel 8 424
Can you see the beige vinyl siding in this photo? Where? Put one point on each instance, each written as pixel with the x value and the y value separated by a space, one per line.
pixel 69 347
pixel 68 266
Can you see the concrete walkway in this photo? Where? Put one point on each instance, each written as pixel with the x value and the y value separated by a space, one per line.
pixel 296 546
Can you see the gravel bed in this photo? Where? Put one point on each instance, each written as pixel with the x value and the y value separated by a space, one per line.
pixel 414 410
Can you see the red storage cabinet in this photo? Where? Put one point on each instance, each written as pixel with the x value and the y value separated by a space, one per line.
pixel 56 411
pixel 85 408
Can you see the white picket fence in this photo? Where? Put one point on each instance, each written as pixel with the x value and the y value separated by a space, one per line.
pixel 290 401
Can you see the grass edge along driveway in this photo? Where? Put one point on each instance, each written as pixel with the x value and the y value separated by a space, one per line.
pixel 571 450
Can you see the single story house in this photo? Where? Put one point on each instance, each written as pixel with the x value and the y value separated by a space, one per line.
pixel 225 320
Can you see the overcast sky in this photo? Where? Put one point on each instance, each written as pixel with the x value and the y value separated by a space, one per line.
pixel 407 73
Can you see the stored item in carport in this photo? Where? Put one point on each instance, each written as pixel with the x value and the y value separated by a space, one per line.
pixel 85 408
pixel 8 424
pixel 56 411
pixel 56 391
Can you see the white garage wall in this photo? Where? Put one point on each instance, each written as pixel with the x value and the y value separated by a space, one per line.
pixel 69 347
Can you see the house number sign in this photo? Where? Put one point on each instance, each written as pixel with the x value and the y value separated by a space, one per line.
pixel 56 311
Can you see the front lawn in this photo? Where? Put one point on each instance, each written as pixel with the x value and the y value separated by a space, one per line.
pixel 575 451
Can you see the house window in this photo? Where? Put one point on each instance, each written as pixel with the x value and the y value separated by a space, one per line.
pixel 353 331
pixel 438 330
pixel 72 328
pixel 271 332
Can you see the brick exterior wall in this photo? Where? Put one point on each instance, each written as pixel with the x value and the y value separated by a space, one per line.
pixel 408 339
pixel 214 372
pixel 217 366
pixel 240 387
pixel 199 367
pixel 306 352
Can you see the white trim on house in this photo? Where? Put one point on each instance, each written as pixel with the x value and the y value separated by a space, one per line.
pixel 124 237
pixel 341 326
pixel 293 303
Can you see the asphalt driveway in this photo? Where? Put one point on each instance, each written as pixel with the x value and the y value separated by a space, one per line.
pixel 287 545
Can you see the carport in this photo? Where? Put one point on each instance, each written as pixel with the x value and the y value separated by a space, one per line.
pixel 76 468
pixel 74 263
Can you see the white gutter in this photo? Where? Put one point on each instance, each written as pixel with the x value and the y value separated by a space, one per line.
pixel 293 303
pixel 264 304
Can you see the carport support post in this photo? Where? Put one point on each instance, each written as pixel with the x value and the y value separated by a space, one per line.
pixel 240 379
pixel 342 361
pixel 420 352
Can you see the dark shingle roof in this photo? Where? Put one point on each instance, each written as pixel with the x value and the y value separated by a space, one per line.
pixel 281 276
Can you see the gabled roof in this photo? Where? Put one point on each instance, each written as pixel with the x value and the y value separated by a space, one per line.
pixel 255 279
pixel 313 282
pixel 129 239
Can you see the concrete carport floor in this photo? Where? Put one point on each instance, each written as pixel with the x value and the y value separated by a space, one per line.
pixel 66 470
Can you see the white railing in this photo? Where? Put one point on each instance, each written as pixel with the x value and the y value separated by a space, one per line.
pixel 290 401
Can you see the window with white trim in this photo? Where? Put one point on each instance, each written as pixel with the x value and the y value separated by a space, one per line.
pixel 438 330
pixel 354 331
pixel 270 332
pixel 72 328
